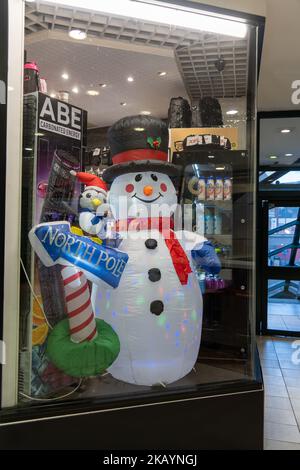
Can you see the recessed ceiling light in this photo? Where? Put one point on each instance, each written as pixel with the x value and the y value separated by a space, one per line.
pixel 272 157
pixel 65 76
pixel 220 167
pixel 139 129
pixel 232 112
pixel 161 74
pixel 52 95
pixel 211 156
pixel 285 131
pixel 123 103
pixel 130 79
pixel 93 92
pixel 75 89
pixel 77 34
pixel 288 154
pixel 102 85
pixel 145 113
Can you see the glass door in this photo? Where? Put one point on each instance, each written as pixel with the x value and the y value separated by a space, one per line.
pixel 281 267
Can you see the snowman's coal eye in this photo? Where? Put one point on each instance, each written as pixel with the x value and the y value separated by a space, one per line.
pixel 154 177
pixel 138 177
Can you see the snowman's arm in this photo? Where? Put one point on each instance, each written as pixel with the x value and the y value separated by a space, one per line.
pixel 205 257
pixel 202 251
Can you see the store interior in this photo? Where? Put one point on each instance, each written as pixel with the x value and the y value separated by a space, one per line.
pixel 113 66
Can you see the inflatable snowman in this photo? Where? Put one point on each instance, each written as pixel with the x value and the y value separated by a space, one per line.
pixel 156 310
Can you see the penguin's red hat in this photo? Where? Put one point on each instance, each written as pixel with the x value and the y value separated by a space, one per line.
pixel 91 181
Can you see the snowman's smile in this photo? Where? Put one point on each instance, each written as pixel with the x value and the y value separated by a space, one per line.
pixel 147 200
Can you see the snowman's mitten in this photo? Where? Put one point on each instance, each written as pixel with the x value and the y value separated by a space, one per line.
pixel 206 258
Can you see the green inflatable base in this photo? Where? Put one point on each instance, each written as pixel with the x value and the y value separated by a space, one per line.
pixel 85 359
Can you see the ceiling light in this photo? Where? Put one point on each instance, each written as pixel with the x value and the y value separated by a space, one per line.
pixel 145 113
pixel 211 156
pixel 167 15
pixel 123 103
pixel 162 74
pixel 139 129
pixel 285 131
pixel 232 112
pixel 288 154
pixel 93 92
pixel 220 167
pixel 77 34
pixel 130 79
pixel 52 95
pixel 272 157
pixel 102 85
pixel 65 76
pixel 75 89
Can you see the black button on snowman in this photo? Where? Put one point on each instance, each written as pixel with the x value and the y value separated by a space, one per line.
pixel 157 308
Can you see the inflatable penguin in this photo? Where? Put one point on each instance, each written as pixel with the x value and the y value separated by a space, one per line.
pixel 157 308
pixel 92 203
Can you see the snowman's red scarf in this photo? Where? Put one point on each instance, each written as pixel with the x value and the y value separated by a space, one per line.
pixel 165 225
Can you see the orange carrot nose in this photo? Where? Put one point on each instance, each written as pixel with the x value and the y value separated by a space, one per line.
pixel 148 190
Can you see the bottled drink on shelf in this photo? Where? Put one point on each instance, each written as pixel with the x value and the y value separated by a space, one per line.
pixel 210 188
pixel 227 189
pixel 201 189
pixel 209 221
pixel 217 222
pixel 219 185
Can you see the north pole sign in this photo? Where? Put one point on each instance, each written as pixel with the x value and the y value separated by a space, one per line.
pixel 54 243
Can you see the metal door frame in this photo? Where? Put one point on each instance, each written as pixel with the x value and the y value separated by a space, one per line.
pixel 272 272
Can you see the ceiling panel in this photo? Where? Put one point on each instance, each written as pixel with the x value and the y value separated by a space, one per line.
pixel 88 66
pixel 195 52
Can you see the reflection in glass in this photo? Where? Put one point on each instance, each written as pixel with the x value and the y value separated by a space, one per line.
pixel 284 305
pixel 283 238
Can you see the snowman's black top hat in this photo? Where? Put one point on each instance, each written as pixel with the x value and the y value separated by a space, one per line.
pixel 139 143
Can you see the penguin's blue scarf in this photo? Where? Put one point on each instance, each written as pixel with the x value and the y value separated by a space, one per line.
pixel 96 219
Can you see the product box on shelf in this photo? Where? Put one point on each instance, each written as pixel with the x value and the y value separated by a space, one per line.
pixel 54 139
pixel 195 138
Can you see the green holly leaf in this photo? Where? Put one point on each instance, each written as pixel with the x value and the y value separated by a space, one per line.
pixel 150 141
pixel 154 143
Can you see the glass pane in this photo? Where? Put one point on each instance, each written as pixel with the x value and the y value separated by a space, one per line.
pixel 283 238
pixel 284 305
pixel 280 180
pixel 131 105
pixel 278 148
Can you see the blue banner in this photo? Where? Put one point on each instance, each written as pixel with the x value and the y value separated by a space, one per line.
pixel 55 244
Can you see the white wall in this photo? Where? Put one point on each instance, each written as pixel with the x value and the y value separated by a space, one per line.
pixel 254 7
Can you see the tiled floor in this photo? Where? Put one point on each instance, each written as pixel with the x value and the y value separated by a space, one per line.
pixel 281 370
pixel 284 315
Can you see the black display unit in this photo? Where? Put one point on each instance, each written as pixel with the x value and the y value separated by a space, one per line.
pixel 226 317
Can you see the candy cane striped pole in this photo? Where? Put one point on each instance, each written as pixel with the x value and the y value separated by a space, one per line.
pixel 79 308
